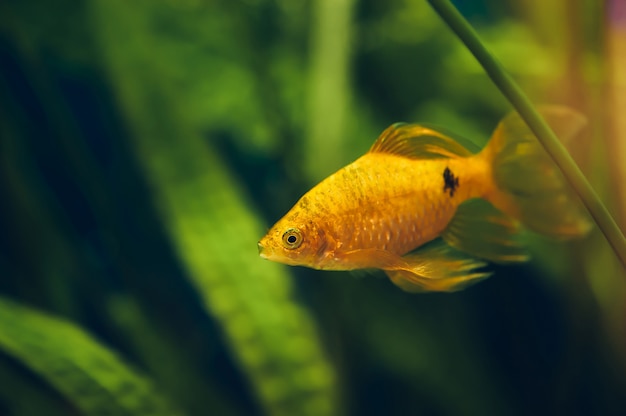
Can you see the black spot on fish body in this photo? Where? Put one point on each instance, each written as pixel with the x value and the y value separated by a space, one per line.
pixel 450 181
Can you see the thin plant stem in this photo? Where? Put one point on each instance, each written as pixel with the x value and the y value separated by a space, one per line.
pixel 505 83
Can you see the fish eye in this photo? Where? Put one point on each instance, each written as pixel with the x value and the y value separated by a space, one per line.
pixel 292 238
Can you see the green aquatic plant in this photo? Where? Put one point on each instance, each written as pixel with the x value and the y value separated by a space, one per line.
pixel 90 376
pixel 527 111
pixel 273 338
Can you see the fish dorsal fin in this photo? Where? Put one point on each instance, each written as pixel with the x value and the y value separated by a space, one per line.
pixel 480 229
pixel 437 267
pixel 418 141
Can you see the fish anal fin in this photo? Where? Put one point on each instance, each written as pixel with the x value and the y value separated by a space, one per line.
pixel 481 230
pixel 414 283
pixel 436 267
pixel 417 141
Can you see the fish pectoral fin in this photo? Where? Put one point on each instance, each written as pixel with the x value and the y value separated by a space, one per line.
pixel 418 141
pixel 436 268
pixel 483 231
pixel 371 258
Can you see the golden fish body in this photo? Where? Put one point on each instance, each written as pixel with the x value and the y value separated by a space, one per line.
pixel 415 185
pixel 383 201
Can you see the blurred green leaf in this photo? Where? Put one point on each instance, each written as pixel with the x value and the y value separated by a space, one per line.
pixel 88 374
pixel 178 373
pixel 215 234
pixel 23 397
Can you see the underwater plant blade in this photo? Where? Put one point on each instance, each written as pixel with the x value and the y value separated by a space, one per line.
pixel 89 375
pixel 17 384
pixel 179 374
pixel 271 337
pixel 544 134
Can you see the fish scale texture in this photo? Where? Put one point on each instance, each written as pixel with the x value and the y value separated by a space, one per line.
pixel 387 202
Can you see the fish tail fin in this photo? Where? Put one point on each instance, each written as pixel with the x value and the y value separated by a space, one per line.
pixel 527 185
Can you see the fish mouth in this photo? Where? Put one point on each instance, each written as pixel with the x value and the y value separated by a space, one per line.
pixel 268 254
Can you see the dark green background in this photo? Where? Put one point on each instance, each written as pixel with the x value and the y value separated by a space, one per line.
pixel 147 145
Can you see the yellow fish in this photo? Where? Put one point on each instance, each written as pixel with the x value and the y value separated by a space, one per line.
pixel 428 211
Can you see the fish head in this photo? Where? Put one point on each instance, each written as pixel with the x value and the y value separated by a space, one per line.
pixel 295 242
